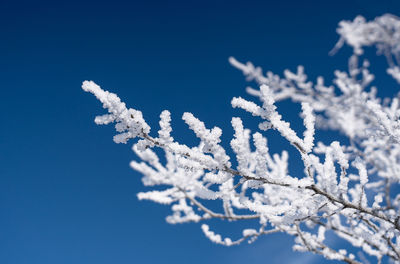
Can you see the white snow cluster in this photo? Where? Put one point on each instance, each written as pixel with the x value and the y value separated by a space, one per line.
pixel 345 189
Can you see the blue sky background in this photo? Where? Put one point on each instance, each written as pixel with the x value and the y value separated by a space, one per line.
pixel 67 194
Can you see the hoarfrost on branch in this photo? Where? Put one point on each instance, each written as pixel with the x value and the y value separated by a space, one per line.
pixel 347 190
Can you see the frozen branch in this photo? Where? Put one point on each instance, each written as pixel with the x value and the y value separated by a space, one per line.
pixel 344 189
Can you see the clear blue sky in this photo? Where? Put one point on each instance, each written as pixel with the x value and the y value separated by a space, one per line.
pixel 67 194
